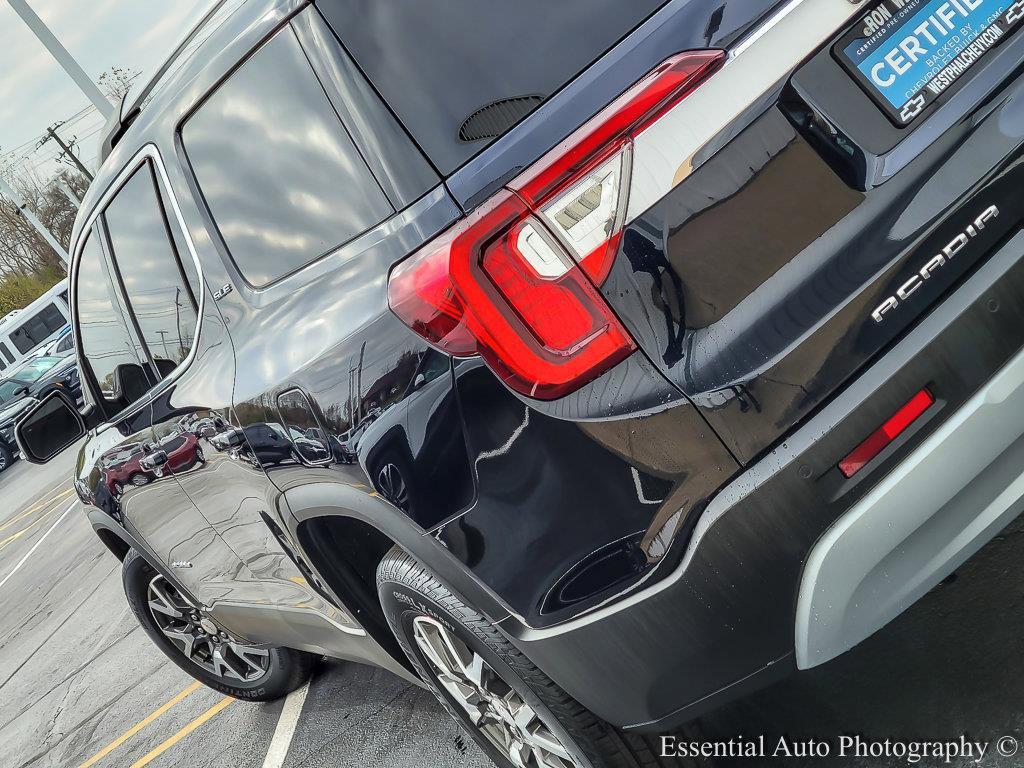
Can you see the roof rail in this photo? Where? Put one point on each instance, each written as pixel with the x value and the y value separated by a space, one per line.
pixel 129 109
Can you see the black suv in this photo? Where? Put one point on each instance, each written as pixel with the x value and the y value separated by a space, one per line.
pixel 593 362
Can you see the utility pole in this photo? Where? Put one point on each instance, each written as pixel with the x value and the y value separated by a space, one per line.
pixel 14 197
pixel 65 59
pixel 177 320
pixel 359 381
pixel 52 134
pixel 163 338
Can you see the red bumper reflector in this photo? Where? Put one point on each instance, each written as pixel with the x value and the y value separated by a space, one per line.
pixel 885 434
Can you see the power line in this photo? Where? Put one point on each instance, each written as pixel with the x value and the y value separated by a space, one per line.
pixel 21 153
pixel 68 149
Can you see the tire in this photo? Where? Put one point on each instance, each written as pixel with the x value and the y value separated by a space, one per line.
pixel 414 599
pixel 6 457
pixel 138 480
pixel 286 668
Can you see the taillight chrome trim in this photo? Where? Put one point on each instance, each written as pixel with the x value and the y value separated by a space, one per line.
pixel 665 154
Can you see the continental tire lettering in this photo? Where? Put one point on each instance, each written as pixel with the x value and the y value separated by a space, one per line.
pixel 421 607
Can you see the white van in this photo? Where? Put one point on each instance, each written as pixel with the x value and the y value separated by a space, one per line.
pixel 37 324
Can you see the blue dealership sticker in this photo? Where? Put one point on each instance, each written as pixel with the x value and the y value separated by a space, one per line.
pixel 907 53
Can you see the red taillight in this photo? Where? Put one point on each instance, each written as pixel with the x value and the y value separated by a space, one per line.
pixel 885 434
pixel 515 280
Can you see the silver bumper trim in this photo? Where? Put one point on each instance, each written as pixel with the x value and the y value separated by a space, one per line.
pixel 953 494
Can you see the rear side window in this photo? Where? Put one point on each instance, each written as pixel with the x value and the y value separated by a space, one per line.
pixel 107 345
pixel 66 344
pixel 38 328
pixel 439 64
pixel 284 182
pixel 6 352
pixel 154 278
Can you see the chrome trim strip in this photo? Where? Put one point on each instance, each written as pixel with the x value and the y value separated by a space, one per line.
pixel 663 155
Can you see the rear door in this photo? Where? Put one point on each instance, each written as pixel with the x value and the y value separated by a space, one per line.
pixel 324 370
pixel 223 550
pixel 116 467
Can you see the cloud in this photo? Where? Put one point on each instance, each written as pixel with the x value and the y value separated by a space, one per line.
pixel 35 92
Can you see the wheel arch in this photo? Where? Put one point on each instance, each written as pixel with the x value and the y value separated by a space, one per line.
pixel 344 533
pixel 118 547
pixel 119 541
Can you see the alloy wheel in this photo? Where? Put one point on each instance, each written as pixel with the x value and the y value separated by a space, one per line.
pixel 494 707
pixel 199 638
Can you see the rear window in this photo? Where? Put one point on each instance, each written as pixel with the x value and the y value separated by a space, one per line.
pixel 152 271
pixel 107 344
pixel 438 64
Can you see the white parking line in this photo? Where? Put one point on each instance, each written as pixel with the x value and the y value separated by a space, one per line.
pixel 36 545
pixel 286 725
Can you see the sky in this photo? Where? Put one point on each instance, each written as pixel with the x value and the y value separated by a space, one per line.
pixel 35 93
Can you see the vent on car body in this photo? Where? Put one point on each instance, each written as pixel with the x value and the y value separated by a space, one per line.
pixel 493 120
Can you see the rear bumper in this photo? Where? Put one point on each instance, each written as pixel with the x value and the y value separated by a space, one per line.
pixel 956 491
pixel 727 618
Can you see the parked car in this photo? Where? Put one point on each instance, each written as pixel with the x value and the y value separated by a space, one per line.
pixel 37 376
pixel 10 412
pixel 139 464
pixel 123 465
pixel 724 314
pixel 26 332
pixel 62 345
pixel 208 428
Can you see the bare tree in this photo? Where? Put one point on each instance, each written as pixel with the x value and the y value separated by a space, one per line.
pixel 28 265
pixel 116 81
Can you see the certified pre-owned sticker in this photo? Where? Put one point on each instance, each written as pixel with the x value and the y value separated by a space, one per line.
pixel 907 53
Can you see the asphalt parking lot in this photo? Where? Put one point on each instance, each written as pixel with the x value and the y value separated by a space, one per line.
pixel 81 685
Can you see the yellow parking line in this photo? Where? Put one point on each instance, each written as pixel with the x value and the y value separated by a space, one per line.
pixel 139 726
pixel 147 759
pixel 18 534
pixel 36 508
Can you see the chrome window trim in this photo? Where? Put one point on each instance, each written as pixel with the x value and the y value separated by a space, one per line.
pixel 148 153
pixel 666 153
